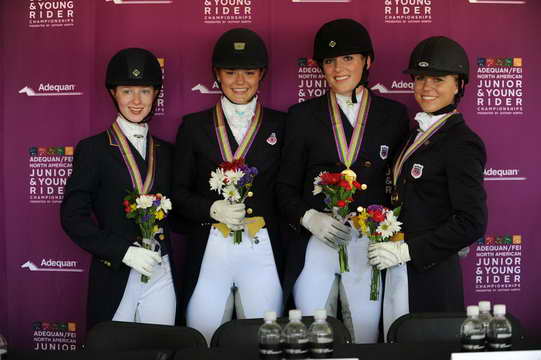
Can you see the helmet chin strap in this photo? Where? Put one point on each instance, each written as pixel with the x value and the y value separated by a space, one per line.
pixel 362 82
pixel 444 110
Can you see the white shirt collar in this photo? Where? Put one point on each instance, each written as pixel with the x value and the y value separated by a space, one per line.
pixel 426 120
pixel 238 114
pixel 349 108
pixel 130 129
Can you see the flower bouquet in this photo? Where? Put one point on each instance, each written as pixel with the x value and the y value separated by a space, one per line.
pixel 233 180
pixel 379 224
pixel 338 189
pixel 147 210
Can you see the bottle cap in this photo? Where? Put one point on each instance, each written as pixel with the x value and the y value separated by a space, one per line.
pixel 484 305
pixel 499 309
pixel 472 310
pixel 270 316
pixel 295 315
pixel 320 314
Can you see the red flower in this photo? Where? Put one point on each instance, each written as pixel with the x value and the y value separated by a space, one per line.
pixel 126 203
pixel 127 209
pixel 378 216
pixel 341 203
pixel 356 184
pixel 350 199
pixel 344 184
pixel 233 165
pixel 330 178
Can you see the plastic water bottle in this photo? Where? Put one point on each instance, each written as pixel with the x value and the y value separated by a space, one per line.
pixel 484 314
pixel 3 348
pixel 472 332
pixel 295 337
pixel 499 330
pixel 270 335
pixel 321 336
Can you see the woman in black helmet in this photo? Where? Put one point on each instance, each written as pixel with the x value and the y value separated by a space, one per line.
pixel 92 212
pixel 344 52
pixel 438 179
pixel 221 276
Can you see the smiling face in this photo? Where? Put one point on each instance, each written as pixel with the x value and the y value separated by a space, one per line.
pixel 239 85
pixel 435 92
pixel 134 102
pixel 343 73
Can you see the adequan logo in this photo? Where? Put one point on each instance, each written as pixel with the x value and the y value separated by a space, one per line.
pixel 51 90
pixel 503 175
pixel 402 87
pixel 53 265
pixel 205 90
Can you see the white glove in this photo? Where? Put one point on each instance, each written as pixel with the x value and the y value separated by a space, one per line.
pixel 230 214
pixel 326 229
pixel 141 259
pixel 386 254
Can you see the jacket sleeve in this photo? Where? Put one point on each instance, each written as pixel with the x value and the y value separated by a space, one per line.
pixel 289 187
pixel 76 211
pixel 465 161
pixel 186 200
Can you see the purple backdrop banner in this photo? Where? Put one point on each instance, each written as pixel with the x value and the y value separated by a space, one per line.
pixel 54 54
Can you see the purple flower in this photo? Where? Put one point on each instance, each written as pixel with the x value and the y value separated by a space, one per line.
pixel 375 208
pixel 253 171
pixel 145 218
pixel 156 202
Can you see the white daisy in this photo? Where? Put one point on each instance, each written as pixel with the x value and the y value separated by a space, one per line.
pixel 389 226
pixel 216 180
pixel 165 205
pixel 231 193
pixel 234 176
pixel 144 201
pixel 317 188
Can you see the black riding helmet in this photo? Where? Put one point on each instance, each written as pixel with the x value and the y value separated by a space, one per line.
pixel 343 37
pixel 440 56
pixel 134 67
pixel 240 49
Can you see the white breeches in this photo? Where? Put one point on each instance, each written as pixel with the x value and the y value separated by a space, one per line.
pixel 234 276
pixel 320 283
pixel 153 302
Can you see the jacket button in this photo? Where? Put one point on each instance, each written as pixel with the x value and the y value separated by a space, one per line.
pixel 367 164
pixel 249 211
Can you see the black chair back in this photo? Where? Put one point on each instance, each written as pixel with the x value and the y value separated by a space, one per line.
pixel 243 332
pixel 127 336
pixel 436 327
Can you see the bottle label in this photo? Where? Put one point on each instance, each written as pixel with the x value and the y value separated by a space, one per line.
pixel 322 350
pixel 500 342
pixel 474 342
pixel 270 351
pixel 296 351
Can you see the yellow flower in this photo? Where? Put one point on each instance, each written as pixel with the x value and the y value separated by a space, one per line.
pixel 160 215
pixel 359 222
pixel 133 207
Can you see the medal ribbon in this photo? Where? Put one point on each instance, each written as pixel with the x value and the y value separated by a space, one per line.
pixel 115 133
pixel 348 153
pixel 247 140
pixel 407 151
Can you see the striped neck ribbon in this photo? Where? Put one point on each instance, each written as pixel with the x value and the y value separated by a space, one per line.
pixel 348 153
pixel 118 138
pixel 409 149
pixel 247 140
